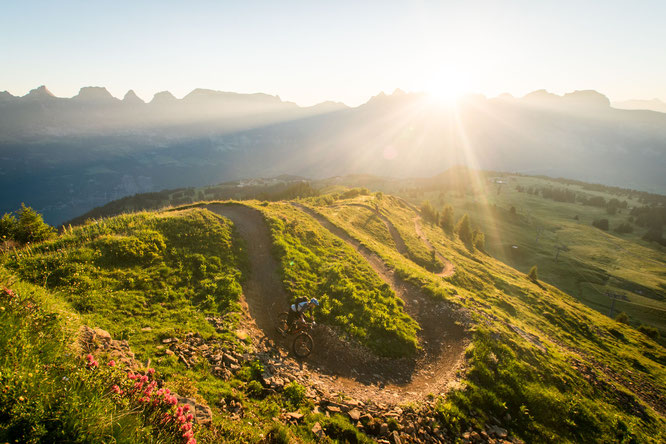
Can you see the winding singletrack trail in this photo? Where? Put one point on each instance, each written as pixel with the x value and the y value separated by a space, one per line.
pixel 340 366
pixel 448 269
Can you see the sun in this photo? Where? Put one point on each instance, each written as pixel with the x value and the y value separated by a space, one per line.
pixel 447 86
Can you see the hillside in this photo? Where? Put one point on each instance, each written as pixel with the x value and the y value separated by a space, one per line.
pixel 68 155
pixel 556 235
pixel 419 336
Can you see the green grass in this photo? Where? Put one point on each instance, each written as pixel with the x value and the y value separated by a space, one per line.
pixel 521 359
pixel 315 263
pixel 596 262
pixel 550 368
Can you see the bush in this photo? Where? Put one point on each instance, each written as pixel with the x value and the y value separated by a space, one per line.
pixel 622 317
pixel 624 228
pixel 295 393
pixel 648 331
pixel 601 224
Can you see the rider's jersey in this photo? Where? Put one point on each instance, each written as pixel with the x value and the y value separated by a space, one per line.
pixel 300 307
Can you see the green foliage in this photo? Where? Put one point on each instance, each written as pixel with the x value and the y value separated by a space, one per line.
pixel 622 317
pixel 533 274
pixel 294 393
pixel 479 240
pixel 316 264
pixel 601 224
pixel 446 219
pixel 29 227
pixel 49 394
pixel 464 230
pixel 624 228
pixel 648 331
pixel 428 213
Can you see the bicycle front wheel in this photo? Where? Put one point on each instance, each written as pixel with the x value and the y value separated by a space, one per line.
pixel 303 345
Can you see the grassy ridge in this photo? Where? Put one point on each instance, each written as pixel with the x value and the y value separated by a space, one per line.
pixel 143 277
pixel 315 263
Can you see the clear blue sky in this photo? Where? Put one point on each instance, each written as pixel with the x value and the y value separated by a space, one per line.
pixel 310 51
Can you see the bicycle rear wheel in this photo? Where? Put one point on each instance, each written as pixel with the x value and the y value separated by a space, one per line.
pixel 303 345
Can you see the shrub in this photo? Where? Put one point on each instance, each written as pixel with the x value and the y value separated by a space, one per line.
pixel 624 228
pixel 533 274
pixel 601 224
pixel 622 317
pixel 648 331
pixel 295 393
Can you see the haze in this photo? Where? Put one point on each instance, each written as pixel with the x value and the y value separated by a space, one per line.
pixel 309 52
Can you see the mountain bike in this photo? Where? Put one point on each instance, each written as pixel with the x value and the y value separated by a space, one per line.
pixel 303 343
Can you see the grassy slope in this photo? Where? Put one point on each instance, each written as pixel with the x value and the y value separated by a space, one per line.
pixel 148 276
pixel 596 262
pixel 550 368
pixel 315 263
pixel 545 396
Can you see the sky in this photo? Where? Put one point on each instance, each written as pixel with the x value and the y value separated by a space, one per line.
pixel 312 51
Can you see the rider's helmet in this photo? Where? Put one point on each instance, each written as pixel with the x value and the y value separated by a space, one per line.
pixel 314 301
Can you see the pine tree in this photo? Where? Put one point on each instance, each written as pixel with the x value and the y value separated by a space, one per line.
pixel 446 218
pixel 533 275
pixel 464 230
pixel 31 227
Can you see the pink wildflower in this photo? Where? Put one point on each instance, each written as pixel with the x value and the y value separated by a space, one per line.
pixel 116 389
pixel 188 434
pixel 192 441
pixel 185 427
pixel 90 358
pixel 181 418
pixel 151 371
pixel 112 363
pixel 179 411
pixel 189 417
pixel 186 408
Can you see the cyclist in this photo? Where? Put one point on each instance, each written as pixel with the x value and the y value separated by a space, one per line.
pixel 298 309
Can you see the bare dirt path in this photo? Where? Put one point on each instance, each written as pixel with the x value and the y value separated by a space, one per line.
pixel 442 340
pixel 338 366
pixel 448 269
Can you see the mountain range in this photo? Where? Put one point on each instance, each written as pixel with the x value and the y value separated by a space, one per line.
pixel 65 156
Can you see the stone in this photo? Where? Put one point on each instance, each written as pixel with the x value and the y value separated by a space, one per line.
pixel 497 432
pixel 168 352
pixel 395 437
pixel 333 409
pixel 146 329
pixel 354 414
pixel 295 416
pixel 384 429
pixel 317 430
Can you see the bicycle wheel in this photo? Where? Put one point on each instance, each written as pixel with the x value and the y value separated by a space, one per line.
pixel 303 345
pixel 282 324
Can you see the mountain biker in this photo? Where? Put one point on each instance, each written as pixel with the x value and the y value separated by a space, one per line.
pixel 298 309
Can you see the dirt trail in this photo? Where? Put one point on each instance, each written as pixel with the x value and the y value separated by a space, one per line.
pixel 448 269
pixel 340 366
pixel 442 340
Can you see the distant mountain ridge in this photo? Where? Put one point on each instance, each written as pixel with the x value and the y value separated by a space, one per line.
pixel 66 156
pixel 651 105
